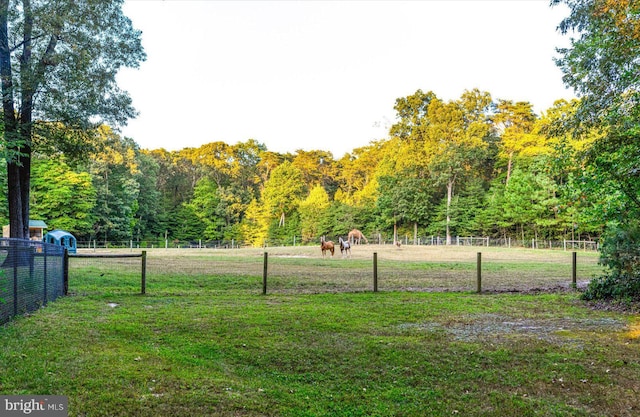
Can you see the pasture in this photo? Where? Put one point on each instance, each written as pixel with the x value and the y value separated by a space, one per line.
pixel 204 341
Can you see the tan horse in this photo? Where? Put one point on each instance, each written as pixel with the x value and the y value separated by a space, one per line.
pixel 326 245
pixel 355 236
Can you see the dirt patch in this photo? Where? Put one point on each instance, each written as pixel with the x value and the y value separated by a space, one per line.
pixel 494 327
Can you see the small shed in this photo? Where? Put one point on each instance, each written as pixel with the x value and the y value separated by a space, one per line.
pixel 62 238
pixel 36 230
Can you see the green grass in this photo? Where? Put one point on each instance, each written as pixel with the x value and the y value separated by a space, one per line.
pixel 212 345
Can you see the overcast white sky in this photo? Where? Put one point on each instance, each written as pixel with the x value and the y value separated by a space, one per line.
pixel 324 75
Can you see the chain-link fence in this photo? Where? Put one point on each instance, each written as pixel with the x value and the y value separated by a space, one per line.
pixel 31 274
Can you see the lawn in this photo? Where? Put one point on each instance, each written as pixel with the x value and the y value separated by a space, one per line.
pixel 204 341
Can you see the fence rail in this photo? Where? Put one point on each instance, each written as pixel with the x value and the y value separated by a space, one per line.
pixel 302 269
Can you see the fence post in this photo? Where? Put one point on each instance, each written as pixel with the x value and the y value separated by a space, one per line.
pixel 16 257
pixel 65 271
pixel 264 274
pixel 44 260
pixel 479 272
pixel 144 272
pixel 375 271
pixel 574 267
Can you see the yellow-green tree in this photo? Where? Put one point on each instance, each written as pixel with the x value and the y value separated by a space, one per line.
pixel 283 192
pixel 455 140
pixel 255 225
pixel 313 212
pixel 515 121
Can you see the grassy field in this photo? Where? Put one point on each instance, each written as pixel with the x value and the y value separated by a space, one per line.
pixel 204 341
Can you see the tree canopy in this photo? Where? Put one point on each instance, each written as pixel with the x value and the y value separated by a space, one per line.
pixel 58 63
pixel 603 66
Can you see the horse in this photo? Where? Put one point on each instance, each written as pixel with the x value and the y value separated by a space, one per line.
pixel 326 245
pixel 355 236
pixel 345 247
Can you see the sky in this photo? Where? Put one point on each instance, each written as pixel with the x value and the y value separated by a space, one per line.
pixel 325 75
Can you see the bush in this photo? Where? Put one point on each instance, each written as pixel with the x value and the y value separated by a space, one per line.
pixel 621 254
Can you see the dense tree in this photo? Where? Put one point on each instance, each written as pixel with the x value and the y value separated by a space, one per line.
pixel 602 65
pixel 456 140
pixel 58 62
pixel 515 120
pixel 205 205
pixel 150 218
pixel 316 168
pixel 113 173
pixel 255 224
pixel 313 214
pixel 404 198
pixel 61 196
pixel 283 192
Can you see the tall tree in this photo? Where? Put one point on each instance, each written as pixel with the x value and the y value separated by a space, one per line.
pixel 515 120
pixel 284 191
pixel 64 197
pixel 114 172
pixel 456 140
pixel 602 65
pixel 313 213
pixel 58 62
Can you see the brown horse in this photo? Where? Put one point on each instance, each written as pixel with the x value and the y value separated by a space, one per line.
pixel 355 236
pixel 326 245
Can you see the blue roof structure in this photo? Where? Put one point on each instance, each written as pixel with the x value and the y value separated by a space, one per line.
pixel 62 238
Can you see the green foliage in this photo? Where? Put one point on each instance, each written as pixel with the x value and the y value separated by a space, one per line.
pixel 620 252
pixel 64 198
pixel 283 192
pixel 59 62
pixel 603 66
pixel 150 217
pixel 117 190
pixel 186 225
pixel 205 205
pixel 313 214
pixel 255 224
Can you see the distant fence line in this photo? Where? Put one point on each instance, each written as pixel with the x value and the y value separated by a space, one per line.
pixel 585 245
pixel 32 273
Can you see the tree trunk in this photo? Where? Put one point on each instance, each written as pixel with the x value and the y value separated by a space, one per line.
pixel 509 164
pixel 19 228
pixel 395 233
pixel 449 199
pixel 17 132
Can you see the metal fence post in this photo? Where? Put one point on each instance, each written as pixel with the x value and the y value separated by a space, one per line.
pixel 264 274
pixel 44 284
pixel 65 271
pixel 16 256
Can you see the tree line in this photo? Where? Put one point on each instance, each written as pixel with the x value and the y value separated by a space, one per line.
pixel 473 166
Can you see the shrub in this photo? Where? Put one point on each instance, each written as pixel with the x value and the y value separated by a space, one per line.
pixel 621 254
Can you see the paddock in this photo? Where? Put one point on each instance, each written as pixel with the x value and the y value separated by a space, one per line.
pixel 303 270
